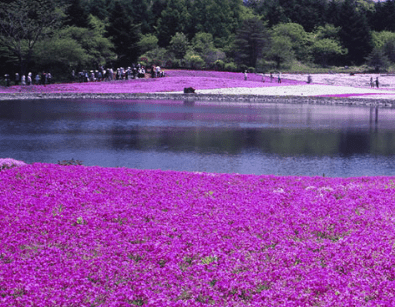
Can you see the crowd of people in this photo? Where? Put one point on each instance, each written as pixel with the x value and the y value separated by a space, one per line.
pixel 40 78
pixel 101 74
pixel 108 74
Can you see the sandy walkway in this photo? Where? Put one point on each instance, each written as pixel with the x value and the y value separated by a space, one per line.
pixel 358 80
pixel 339 85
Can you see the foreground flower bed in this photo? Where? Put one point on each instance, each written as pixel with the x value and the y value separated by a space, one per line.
pixel 93 236
pixel 176 80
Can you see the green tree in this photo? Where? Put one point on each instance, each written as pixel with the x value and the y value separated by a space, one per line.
pixel 377 60
pixel 74 47
pixel 141 15
pixel 59 54
pixel 307 13
pixel 325 49
pixel 76 14
pixel 23 23
pixel 179 45
pixel 272 12
pixel 326 45
pixel 281 50
pixel 202 41
pixel 193 60
pixel 157 56
pixel 148 42
pixel 385 41
pixel 355 33
pixel 382 19
pixel 250 41
pixel 220 18
pixel 174 18
pixel 124 33
pixel 298 37
pixel 203 45
pixel 98 8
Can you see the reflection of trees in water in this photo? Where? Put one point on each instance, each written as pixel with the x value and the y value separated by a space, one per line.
pixel 353 142
pixel 125 138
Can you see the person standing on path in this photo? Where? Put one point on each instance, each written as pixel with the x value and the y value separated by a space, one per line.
pixel 279 77
pixel 377 82
pixel 371 82
pixel 16 79
pixel 37 79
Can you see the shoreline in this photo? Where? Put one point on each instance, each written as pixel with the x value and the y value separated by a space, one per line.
pixel 332 100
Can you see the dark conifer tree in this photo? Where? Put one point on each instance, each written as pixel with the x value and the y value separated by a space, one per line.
pixel 98 8
pixel 76 14
pixel 250 41
pixel 384 17
pixel 308 13
pixel 123 32
pixel 272 12
pixel 355 33
pixel 173 19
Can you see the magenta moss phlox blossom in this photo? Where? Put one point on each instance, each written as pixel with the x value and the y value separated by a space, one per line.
pixel 93 236
pixel 9 162
pixel 176 80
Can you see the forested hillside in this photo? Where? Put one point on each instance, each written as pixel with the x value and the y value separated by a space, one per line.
pixel 66 35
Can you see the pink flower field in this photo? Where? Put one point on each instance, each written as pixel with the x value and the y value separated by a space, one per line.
pixel 176 80
pixel 94 236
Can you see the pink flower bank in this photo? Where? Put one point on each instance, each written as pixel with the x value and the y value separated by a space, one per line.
pixel 94 236
pixel 175 80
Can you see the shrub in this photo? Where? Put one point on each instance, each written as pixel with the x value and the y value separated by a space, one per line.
pixel 230 66
pixel 70 162
pixel 219 64
pixel 243 67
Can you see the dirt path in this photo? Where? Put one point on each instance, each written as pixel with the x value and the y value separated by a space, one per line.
pixel 358 80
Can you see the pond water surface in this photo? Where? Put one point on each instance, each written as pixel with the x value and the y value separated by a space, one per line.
pixel 245 138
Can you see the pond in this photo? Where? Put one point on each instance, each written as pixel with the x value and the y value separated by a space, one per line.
pixel 245 138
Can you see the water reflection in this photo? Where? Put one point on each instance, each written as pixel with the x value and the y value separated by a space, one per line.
pixel 202 136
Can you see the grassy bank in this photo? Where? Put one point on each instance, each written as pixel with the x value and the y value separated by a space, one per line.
pixel 92 236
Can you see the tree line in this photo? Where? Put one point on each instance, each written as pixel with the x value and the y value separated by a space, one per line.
pixel 65 35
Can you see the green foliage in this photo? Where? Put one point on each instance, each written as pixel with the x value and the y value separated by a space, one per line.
pixel 123 32
pixel 354 33
pixel 281 50
pixel 156 56
pixel 385 41
pixel 378 60
pixel 193 60
pixel 76 14
pixel 299 38
pixel 326 46
pixel 148 42
pixel 44 33
pixel 203 45
pixel 72 47
pixel 174 18
pixel 23 23
pixel 251 39
pixel 272 11
pixel 202 42
pixel 61 52
pixel 230 67
pixel 179 45
pixel 219 65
